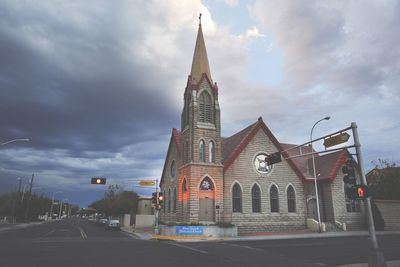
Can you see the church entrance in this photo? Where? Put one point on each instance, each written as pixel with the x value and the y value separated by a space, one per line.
pixel 206 201
pixel 312 209
pixel 206 212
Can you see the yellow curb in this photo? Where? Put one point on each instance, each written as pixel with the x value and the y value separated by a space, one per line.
pixel 186 237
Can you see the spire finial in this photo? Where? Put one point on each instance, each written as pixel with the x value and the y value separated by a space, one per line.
pixel 200 19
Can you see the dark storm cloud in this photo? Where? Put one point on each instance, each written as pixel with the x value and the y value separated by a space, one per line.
pixel 67 90
pixel 78 81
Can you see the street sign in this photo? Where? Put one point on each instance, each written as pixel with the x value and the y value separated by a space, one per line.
pixel 147 183
pixel 336 139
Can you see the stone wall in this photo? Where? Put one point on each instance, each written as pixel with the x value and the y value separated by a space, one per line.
pixel 353 220
pixel 243 172
pixel 390 210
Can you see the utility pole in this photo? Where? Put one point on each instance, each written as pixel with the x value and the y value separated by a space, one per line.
pixel 376 258
pixel 29 198
pixel 156 230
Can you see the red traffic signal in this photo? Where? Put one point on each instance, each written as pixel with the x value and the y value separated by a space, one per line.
pixel 160 198
pixel 357 192
pixel 98 180
pixel 361 191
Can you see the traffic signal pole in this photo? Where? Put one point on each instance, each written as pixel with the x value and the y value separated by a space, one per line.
pixel 156 211
pixel 376 258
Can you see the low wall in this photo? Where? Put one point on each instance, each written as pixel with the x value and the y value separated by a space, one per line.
pixel 313 225
pixel 143 221
pixel 390 210
pixel 206 230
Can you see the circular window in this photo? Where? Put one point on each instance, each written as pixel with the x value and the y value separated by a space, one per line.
pixel 173 168
pixel 260 163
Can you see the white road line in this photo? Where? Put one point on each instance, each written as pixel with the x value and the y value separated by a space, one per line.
pixel 48 233
pixel 83 234
pixel 187 247
pixel 240 246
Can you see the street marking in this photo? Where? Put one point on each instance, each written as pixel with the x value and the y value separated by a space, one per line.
pixel 48 233
pixel 187 247
pixel 239 246
pixel 83 234
pixel 320 264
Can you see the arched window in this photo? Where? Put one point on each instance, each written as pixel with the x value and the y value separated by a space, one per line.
pixel 175 199
pixel 236 198
pixel 205 108
pixel 211 152
pixel 256 198
pixel 274 198
pixel 206 184
pixel 184 153
pixel 165 203
pixel 291 199
pixel 184 187
pixel 202 151
pixel 169 200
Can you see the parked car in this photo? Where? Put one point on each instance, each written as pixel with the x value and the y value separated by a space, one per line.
pixel 102 221
pixel 113 225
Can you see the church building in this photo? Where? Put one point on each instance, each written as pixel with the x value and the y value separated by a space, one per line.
pixel 209 179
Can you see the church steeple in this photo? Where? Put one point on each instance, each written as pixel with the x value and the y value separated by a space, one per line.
pixel 200 60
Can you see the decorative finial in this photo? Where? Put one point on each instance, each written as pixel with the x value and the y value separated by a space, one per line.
pixel 200 19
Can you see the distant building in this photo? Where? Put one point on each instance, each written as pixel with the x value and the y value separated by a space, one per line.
pixel 209 179
pixel 144 206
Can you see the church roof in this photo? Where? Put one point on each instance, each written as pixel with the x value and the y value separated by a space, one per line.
pixel 326 166
pixel 229 144
pixel 234 145
pixel 200 59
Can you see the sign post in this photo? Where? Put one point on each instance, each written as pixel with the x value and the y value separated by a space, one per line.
pixel 336 139
pixel 376 258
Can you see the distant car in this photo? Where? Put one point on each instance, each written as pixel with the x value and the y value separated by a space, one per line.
pixel 103 221
pixel 113 225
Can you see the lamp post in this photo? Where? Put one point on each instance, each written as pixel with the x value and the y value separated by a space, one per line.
pixel 52 203
pixel 315 175
pixel 61 203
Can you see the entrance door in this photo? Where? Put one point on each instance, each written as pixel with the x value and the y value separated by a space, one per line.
pixel 206 212
pixel 312 209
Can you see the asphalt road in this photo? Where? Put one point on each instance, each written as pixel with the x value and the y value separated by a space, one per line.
pixel 78 242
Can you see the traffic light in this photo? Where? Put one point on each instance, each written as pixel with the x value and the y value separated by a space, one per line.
pixel 349 179
pixel 350 174
pixel 160 198
pixel 98 180
pixel 361 191
pixel 154 198
pixel 274 158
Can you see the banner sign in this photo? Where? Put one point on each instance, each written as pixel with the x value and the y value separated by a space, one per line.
pixel 189 230
pixel 147 183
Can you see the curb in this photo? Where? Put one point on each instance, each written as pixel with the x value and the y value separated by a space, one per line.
pixel 395 263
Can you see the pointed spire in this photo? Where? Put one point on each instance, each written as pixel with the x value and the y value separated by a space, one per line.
pixel 200 59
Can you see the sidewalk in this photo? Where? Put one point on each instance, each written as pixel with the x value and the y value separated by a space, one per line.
pixel 147 234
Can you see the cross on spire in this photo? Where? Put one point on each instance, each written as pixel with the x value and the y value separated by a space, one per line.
pixel 200 19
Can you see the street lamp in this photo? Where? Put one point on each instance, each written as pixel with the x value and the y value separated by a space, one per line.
pixel 52 202
pixel 315 175
pixel 15 140
pixel 59 216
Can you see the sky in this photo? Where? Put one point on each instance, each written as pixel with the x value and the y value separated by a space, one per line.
pixel 97 86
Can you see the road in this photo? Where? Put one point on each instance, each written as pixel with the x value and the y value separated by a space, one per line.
pixel 79 242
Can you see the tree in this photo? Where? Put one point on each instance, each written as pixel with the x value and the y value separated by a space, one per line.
pixel 384 180
pixel 116 201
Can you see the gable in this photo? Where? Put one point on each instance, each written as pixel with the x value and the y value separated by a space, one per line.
pixel 174 152
pixel 234 145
